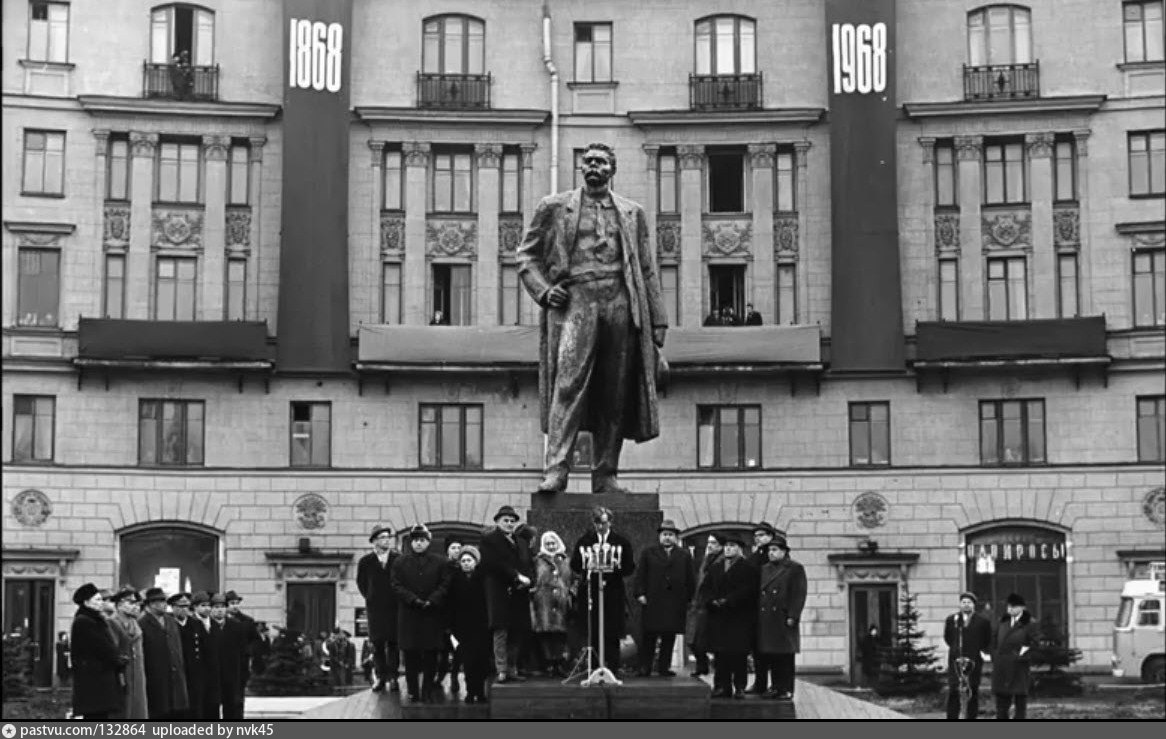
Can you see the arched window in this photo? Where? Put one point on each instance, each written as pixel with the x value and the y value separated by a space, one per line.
pixel 999 34
pixel 172 556
pixel 453 44
pixel 726 44
pixel 1022 558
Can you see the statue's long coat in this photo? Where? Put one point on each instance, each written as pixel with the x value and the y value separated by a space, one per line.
pixel 544 260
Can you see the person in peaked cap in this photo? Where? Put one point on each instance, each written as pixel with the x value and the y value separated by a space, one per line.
pixel 1016 635
pixel 128 637
pixel 223 689
pixel 731 599
pixel 420 580
pixel 251 632
pixel 781 600
pixel 96 659
pixel 166 695
pixel 969 637
pixel 508 567
pixel 374 580
pixel 664 584
pixel 193 648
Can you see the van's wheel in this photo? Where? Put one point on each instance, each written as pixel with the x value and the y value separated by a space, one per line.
pixel 1154 671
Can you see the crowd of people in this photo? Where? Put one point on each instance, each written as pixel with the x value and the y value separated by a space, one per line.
pixel 492 610
pixel 147 655
pixel 726 316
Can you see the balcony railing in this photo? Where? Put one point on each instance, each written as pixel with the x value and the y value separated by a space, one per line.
pixel 453 91
pixel 1002 81
pixel 724 91
pixel 180 81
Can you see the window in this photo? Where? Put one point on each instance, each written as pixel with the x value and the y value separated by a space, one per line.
pixel 946 174
pixel 668 182
pixel 1067 302
pixel 870 434
pixel 48 31
pixel 726 187
pixel 170 432
pixel 1012 432
pixel 593 52
pixel 1007 289
pixel 117 163
pixel 236 289
pixel 177 30
pixel 670 292
pixel 1064 169
pixel 32 427
pixel 240 162
pixel 783 187
pixel 391 292
pixel 728 436
pixel 1004 180
pixel 311 434
pixel 453 182
pixel 999 34
pixel 174 289
pixel 727 289
pixel 577 172
pixel 787 294
pixel 44 163
pixel 190 552
pixel 1025 560
pixel 1149 612
pixel 453 44
pixel 1149 279
pixel 453 294
pixel 394 180
pixel 115 286
pixel 1143 31
pixel 451 436
pixel 511 190
pixel 1147 154
pixel 725 45
pixel 518 308
pixel 949 290
pixel 179 166
pixel 38 287
pixel 1152 428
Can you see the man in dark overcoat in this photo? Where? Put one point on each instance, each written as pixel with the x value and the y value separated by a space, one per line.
pixel 1016 636
pixel 250 633
pixel 97 663
pixel 228 646
pixel 763 533
pixel 374 580
pixel 508 568
pixel 780 602
pixel 587 260
pixel 968 635
pixel 193 648
pixel 614 593
pixel 731 605
pixel 696 628
pixel 209 710
pixel 162 650
pixel 420 580
pixel 664 585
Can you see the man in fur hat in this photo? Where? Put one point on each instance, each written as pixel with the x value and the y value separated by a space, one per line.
pixel 968 635
pixel 508 567
pixel 731 602
pixel 374 580
pixel 664 584
pixel 97 663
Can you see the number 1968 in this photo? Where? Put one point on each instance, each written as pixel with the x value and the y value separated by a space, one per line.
pixel 860 57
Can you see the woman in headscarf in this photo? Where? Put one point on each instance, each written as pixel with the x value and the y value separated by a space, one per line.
pixel 129 645
pixel 550 602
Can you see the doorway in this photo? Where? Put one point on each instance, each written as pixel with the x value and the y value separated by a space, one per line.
pixel 28 606
pixel 870 605
pixel 311 608
pixel 727 289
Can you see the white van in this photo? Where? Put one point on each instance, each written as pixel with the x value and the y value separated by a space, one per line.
pixel 1139 642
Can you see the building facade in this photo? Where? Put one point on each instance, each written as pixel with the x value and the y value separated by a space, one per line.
pixel 203 390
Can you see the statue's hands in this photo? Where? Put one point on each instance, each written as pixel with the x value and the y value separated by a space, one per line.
pixel 557 296
pixel 658 335
pixel 643 599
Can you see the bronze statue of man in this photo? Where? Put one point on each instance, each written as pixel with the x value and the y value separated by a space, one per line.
pixel 586 259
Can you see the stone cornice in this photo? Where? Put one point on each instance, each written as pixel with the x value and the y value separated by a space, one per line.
pixel 802 116
pixel 110 105
pixel 979 108
pixel 501 117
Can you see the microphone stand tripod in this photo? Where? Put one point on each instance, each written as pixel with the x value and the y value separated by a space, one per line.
pixel 597 567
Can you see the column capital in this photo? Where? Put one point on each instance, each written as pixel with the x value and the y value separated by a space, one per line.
pixel 102 136
pixel 527 155
pixel 928 144
pixel 488 155
pixel 142 144
pixel 762 155
pixel 257 143
pixel 801 154
pixel 969 148
pixel 416 153
pixel 377 152
pixel 1081 137
pixel 1039 145
pixel 216 147
pixel 691 156
pixel 651 155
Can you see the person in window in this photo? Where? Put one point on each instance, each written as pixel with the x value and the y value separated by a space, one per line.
pixel 64 666
pixel 969 636
pixel 713 318
pixel 97 663
pixel 129 643
pixel 420 580
pixel 470 623
pixel 729 317
pixel 509 571
pixel 374 580
pixel 439 318
pixel 752 317
pixel 731 604
pixel 782 598
pixel 1016 635
pixel 550 602
pixel 696 628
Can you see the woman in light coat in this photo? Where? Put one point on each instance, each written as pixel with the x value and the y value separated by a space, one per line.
pixel 550 601
pixel 129 644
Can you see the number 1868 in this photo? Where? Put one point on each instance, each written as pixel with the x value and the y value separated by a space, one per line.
pixel 315 55
pixel 860 57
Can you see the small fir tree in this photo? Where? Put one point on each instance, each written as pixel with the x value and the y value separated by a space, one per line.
pixel 17 666
pixel 908 667
pixel 1050 659
pixel 291 670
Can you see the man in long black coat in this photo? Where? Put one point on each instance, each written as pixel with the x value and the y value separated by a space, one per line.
pixel 193 648
pixel 162 652
pixel 763 534
pixel 250 634
pixel 374 580
pixel 421 581
pixel 969 635
pixel 781 600
pixel 97 663
pixel 614 594
pixel 731 601
pixel 508 567
pixel 210 708
pixel 229 644
pixel 664 584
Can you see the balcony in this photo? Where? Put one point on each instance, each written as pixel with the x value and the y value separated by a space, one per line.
pixel 1002 81
pixel 724 91
pixel 180 82
pixel 453 91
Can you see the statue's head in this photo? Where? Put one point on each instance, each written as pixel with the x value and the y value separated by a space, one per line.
pixel 598 165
